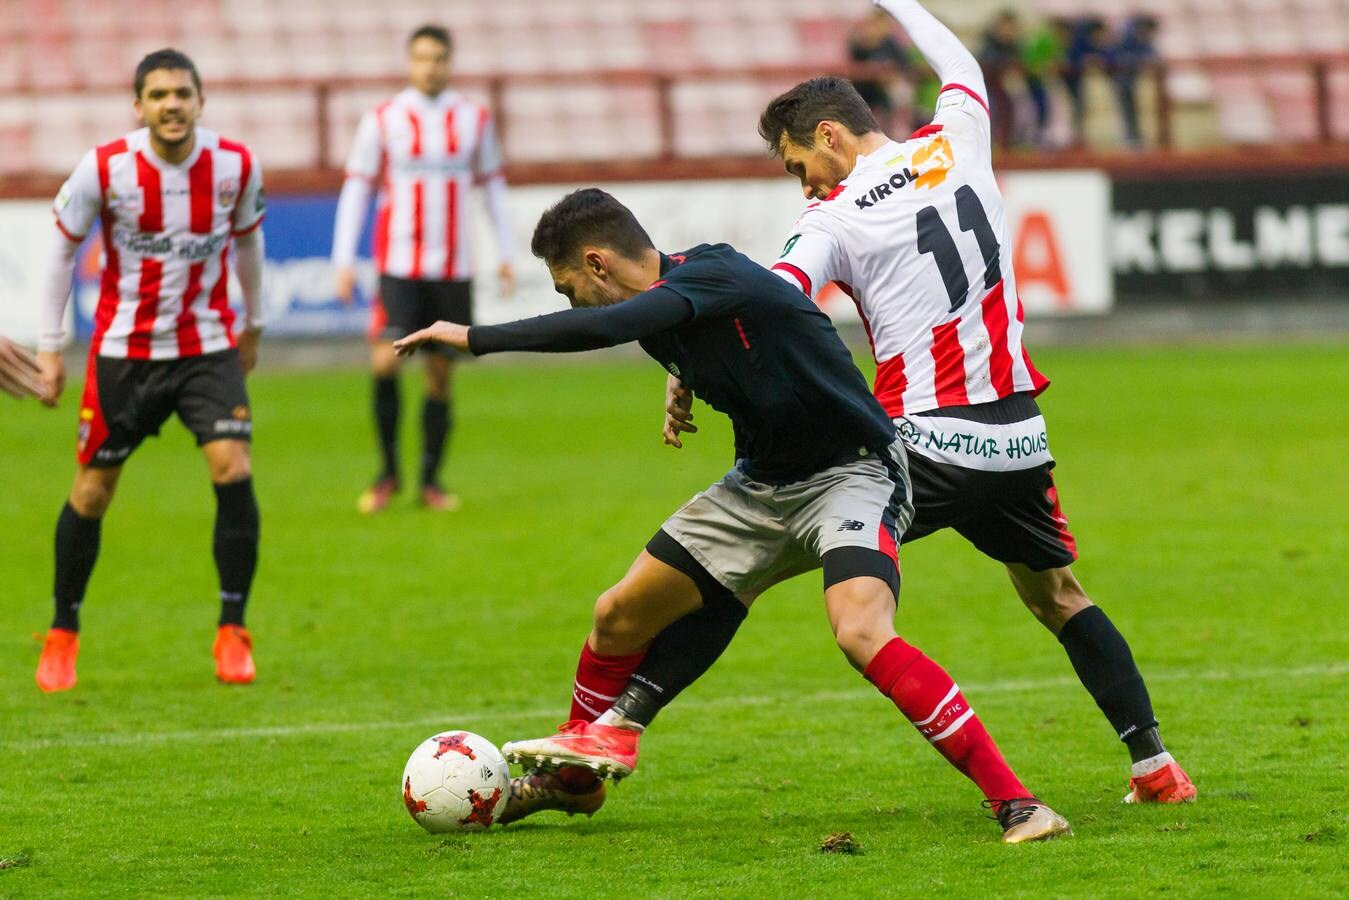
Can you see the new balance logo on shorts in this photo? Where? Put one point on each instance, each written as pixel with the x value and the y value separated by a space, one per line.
pixel 851 525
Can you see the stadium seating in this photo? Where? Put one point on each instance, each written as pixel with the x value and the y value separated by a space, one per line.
pixel 75 57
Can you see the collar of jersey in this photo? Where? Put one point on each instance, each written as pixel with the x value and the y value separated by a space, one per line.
pixel 880 154
pixel 445 98
pixel 148 152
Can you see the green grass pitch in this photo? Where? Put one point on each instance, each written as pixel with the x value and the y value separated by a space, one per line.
pixel 1206 488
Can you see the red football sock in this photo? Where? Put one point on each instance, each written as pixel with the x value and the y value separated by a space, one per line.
pixel 933 703
pixel 599 681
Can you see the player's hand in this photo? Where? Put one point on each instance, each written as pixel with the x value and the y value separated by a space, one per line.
pixel 19 372
pixel 52 374
pixel 440 333
pixel 506 278
pixel 248 348
pixel 346 285
pixel 678 412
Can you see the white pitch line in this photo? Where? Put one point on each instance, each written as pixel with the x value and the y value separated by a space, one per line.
pixel 974 689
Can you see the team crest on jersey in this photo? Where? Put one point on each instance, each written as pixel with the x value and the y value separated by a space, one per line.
pixel 226 192
pixel 933 162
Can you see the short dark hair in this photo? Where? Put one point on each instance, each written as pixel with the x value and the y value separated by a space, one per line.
pixel 588 216
pixel 167 58
pixel 438 33
pixel 797 112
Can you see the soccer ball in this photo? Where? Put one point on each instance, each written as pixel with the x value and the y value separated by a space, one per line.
pixel 455 781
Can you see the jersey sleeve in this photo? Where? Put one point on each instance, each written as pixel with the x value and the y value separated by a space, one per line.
pixel 80 200
pixel 251 206
pixel 962 105
pixel 367 152
pixel 585 328
pixel 962 111
pixel 488 159
pixel 813 255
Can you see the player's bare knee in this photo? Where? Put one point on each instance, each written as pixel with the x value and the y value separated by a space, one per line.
pixel 862 638
pixel 383 361
pixel 1053 596
pixel 93 490
pixel 438 370
pixel 615 628
pixel 231 469
pixel 91 498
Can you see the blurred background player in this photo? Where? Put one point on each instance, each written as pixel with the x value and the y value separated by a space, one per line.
pixel 427 147
pixel 171 198
pixel 19 372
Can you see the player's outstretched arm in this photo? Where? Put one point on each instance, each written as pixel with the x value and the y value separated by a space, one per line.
pixel 19 373
pixel 948 57
pixel 569 331
pixel 451 334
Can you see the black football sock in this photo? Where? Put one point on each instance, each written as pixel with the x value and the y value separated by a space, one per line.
pixel 687 647
pixel 77 541
pixel 236 547
pixel 437 423
pixel 679 656
pixel 386 423
pixel 1101 657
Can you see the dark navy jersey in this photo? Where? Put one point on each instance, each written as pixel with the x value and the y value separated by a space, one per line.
pixel 765 355
pixel 747 343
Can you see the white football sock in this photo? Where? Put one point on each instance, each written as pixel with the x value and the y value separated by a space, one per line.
pixel 1151 764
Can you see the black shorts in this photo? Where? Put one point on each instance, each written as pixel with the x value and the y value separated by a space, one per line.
pixel 127 400
pixel 405 305
pixel 1013 516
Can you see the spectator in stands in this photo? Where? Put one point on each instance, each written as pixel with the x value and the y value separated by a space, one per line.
pixel 873 42
pixel 1000 59
pixel 1089 50
pixel 1042 59
pixel 1134 54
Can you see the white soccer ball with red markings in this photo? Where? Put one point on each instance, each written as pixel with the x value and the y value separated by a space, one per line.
pixel 456 781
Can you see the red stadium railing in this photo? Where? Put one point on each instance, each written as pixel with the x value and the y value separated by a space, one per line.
pixel 1322 146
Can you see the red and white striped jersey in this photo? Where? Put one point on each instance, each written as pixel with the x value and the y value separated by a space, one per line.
pixel 917 235
pixel 426 153
pixel 166 241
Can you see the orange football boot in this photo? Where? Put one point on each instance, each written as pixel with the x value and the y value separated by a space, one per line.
pixel 234 655
pixel 607 751
pixel 56 668
pixel 377 496
pixel 1169 784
